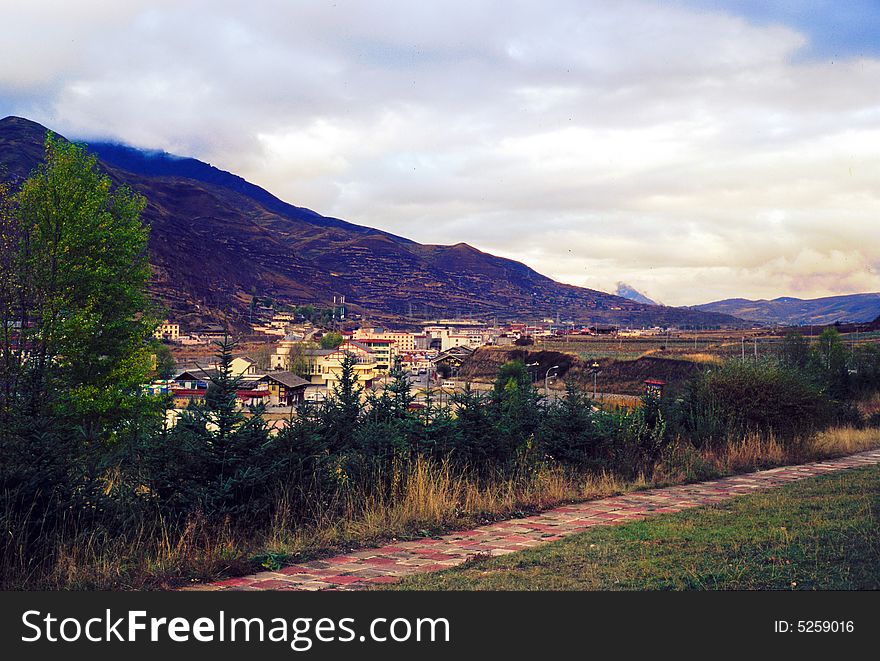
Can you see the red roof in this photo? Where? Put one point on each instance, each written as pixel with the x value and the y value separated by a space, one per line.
pixel 655 382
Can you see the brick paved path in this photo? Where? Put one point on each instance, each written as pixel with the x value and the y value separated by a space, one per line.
pixel 387 564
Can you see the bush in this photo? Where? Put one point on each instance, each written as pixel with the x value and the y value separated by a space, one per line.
pixel 738 398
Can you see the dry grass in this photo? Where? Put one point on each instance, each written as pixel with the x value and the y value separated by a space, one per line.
pixel 845 440
pixel 685 463
pixel 425 498
pixel 703 358
pixel 869 405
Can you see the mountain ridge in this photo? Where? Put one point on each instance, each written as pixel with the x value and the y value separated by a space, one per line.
pixel 789 310
pixel 217 241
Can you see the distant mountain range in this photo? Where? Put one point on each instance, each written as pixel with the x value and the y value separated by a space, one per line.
pixel 800 312
pixel 217 241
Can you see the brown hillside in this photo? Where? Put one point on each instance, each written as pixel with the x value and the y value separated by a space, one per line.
pixel 217 240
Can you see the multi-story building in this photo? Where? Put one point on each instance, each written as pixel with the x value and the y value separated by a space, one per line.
pixel 384 351
pixel 167 331
pixel 403 342
pixel 281 358
pixel 324 366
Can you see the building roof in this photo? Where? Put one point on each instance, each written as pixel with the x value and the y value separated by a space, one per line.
pixel 318 352
pixel 358 344
pixel 196 373
pixel 288 379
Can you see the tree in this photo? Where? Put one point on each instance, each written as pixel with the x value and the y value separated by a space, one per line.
pixel 165 362
pixel 795 350
pixel 76 274
pixel 331 340
pixel 221 406
pixel 297 361
pixel 343 408
pixel 400 389
pixel 832 356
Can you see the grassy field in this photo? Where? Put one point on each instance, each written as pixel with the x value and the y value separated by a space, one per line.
pixel 822 533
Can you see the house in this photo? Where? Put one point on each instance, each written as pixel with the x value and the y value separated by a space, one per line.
pixel 285 388
pixel 196 377
pixel 654 387
pixel 251 397
pixel 325 365
pixel 473 340
pixel 453 357
pixel 212 332
pixel 167 331
pixel 603 329
pixel 280 360
pixel 401 342
pixel 183 397
pixel 268 330
pixel 454 334
pixel 199 373
pixel 242 365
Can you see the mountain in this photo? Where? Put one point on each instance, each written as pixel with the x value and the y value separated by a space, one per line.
pixel 632 294
pixel 218 240
pixel 800 312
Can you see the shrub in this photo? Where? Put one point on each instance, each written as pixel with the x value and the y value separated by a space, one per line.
pixel 738 398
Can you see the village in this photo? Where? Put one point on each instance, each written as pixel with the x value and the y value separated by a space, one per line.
pixel 301 362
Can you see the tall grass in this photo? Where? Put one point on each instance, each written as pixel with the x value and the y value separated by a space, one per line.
pixel 418 497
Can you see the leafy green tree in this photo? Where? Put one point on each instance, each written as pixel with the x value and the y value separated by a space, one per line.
pixel 331 340
pixel 78 270
pixel 165 363
pixel 10 317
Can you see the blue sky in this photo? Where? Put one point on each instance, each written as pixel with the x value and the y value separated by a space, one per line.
pixel 696 150
pixel 836 29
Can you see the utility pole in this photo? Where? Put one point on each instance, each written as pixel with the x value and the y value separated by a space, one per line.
pixel 547 381
pixel 742 343
pixel 755 340
pixel 595 367
pixel 535 377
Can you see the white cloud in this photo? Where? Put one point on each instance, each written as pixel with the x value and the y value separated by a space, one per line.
pixel 687 153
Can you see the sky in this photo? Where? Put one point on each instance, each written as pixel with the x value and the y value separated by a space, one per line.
pixel 694 149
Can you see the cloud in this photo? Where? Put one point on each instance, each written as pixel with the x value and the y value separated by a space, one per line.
pixel 693 152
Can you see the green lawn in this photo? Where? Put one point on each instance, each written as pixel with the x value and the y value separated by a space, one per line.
pixel 820 533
